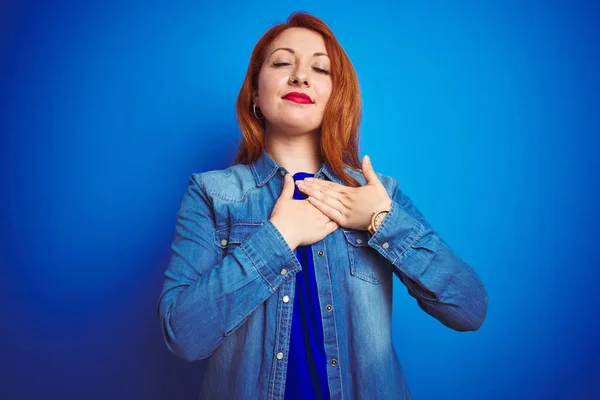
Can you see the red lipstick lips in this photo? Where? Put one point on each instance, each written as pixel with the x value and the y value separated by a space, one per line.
pixel 297 97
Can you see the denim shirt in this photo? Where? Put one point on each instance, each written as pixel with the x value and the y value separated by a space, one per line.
pixel 229 287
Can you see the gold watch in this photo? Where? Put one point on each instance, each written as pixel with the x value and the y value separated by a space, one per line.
pixel 377 219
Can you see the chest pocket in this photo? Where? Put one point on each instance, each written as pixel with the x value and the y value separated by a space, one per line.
pixel 365 262
pixel 231 237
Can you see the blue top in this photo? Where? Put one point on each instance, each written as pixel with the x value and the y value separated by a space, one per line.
pixel 306 376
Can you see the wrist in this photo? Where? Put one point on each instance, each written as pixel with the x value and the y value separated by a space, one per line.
pixel 377 219
pixel 285 233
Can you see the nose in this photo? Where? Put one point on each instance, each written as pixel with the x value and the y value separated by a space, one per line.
pixel 300 77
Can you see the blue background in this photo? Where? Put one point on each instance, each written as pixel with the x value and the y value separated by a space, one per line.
pixel 486 112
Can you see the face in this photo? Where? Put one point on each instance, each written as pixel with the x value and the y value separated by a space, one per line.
pixel 296 61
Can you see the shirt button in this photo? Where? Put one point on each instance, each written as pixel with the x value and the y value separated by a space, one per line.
pixel 283 271
pixel 320 177
pixel 328 307
pixel 359 241
pixel 282 172
pixel 333 362
pixel 224 242
pixel 385 245
pixel 320 253
pixel 280 356
pixel 286 299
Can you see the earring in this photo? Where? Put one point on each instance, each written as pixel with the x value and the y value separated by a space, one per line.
pixel 254 110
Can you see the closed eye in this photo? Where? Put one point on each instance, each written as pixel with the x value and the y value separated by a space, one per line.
pixel 319 70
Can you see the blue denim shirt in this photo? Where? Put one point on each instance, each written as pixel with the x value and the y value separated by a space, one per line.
pixel 231 272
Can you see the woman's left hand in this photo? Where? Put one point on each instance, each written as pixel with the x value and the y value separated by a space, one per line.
pixel 349 207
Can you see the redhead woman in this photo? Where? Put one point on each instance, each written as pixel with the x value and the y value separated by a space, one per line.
pixel 282 265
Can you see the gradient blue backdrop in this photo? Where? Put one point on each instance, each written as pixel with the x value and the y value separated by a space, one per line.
pixel 486 112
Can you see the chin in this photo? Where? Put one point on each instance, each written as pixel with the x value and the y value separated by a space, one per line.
pixel 297 123
pixel 298 126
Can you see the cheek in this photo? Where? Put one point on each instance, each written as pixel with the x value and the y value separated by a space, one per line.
pixel 269 86
pixel 324 93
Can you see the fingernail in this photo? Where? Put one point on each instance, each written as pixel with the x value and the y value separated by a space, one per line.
pixel 368 159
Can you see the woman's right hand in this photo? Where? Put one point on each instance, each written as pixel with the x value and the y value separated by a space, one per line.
pixel 299 222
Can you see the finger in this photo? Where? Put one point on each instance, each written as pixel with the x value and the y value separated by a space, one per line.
pixel 368 171
pixel 322 192
pixel 331 226
pixel 326 199
pixel 288 187
pixel 323 184
pixel 329 211
pixel 343 194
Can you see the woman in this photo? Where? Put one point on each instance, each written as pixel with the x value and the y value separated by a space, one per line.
pixel 289 296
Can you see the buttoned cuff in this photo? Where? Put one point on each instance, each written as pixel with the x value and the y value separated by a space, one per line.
pixel 271 255
pixel 396 234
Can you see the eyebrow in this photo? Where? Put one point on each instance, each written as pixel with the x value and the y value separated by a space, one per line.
pixel 293 52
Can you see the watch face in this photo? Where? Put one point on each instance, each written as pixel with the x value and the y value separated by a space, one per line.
pixel 379 218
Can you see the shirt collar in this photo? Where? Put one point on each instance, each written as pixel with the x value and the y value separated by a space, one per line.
pixel 264 168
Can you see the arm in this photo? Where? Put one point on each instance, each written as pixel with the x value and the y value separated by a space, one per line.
pixel 204 299
pixel 445 286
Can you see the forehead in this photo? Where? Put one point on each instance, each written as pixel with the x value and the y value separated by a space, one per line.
pixel 301 40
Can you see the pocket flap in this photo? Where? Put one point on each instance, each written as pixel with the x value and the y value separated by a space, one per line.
pixel 357 238
pixel 235 233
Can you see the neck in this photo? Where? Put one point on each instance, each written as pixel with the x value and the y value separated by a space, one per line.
pixel 296 153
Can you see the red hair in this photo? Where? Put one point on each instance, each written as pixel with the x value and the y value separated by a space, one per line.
pixel 341 118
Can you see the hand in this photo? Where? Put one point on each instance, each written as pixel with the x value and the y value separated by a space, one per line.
pixel 298 221
pixel 349 207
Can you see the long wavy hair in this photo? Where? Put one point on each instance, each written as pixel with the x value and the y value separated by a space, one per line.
pixel 342 114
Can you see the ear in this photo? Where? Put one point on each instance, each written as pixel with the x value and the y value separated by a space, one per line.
pixel 255 97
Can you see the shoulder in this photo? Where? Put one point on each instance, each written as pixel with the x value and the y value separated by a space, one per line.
pixel 233 183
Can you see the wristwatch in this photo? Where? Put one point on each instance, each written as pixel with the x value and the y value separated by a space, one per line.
pixel 377 219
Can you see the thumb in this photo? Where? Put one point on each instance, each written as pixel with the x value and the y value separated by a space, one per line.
pixel 368 171
pixel 288 187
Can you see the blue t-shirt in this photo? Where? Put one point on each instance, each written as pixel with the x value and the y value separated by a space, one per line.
pixel 307 365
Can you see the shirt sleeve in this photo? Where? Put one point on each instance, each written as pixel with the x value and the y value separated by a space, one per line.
pixel 444 285
pixel 206 297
